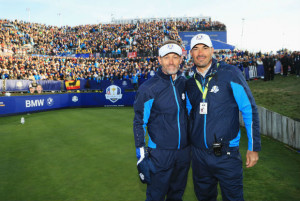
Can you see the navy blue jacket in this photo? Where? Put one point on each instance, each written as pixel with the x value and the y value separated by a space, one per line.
pixel 228 93
pixel 160 105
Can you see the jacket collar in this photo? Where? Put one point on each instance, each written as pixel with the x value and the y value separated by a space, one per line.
pixel 211 71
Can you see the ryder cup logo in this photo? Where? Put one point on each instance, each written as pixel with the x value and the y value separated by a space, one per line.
pixel 170 46
pixel 113 93
pixel 50 101
pixel 214 89
pixel 183 96
pixel 19 84
pixel 74 99
pixel 199 37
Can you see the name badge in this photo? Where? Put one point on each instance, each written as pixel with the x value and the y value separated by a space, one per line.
pixel 203 108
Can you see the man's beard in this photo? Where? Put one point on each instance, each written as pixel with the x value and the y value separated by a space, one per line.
pixel 170 72
pixel 201 64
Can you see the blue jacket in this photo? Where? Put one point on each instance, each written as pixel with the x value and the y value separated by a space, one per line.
pixel 160 105
pixel 228 93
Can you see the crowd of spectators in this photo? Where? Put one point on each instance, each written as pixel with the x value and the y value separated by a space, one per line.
pixel 111 41
pixel 69 68
pixel 258 65
pixel 52 40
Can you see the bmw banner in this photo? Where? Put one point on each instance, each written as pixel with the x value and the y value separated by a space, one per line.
pixel 113 96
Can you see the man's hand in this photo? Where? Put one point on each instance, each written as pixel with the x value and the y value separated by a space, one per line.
pixel 252 158
pixel 144 165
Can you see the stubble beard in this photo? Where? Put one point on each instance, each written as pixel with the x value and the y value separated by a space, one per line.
pixel 201 64
pixel 170 72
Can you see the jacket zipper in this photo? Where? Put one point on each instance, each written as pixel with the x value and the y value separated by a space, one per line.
pixel 203 88
pixel 179 135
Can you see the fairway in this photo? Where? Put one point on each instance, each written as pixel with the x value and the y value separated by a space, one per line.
pixel 89 154
pixel 281 95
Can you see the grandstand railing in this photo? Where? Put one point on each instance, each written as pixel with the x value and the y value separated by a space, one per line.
pixel 59 85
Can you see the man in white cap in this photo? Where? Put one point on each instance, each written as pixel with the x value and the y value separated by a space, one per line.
pixel 160 106
pixel 217 92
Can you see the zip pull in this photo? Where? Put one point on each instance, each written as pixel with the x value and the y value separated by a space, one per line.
pixel 173 82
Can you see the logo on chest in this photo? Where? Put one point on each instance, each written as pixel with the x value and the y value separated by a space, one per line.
pixel 183 96
pixel 214 89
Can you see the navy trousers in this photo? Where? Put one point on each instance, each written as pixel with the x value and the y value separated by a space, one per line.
pixel 209 169
pixel 169 182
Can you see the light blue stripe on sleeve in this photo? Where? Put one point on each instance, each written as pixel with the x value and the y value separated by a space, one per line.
pixel 147 112
pixel 244 105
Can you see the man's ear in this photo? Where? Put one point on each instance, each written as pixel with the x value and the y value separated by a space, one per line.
pixel 159 59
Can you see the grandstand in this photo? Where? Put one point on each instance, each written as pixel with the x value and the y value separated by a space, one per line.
pixel 101 54
pixel 119 37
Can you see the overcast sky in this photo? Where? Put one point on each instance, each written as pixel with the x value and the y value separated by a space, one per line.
pixel 268 24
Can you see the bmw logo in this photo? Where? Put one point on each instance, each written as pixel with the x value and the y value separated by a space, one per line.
pixel 50 101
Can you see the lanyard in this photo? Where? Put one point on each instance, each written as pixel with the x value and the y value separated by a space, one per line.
pixel 202 89
pixel 204 93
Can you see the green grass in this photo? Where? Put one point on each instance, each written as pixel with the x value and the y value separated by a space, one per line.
pixel 282 95
pixel 89 154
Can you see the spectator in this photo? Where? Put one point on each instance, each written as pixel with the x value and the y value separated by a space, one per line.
pixel 266 68
pixel 285 63
pixel 297 63
pixel 39 89
pixel 260 68
pixel 31 89
pixel 135 81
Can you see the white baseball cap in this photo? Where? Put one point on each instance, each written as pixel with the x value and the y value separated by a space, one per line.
pixel 201 39
pixel 170 48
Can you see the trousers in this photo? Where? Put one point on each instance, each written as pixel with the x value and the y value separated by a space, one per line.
pixel 209 169
pixel 169 181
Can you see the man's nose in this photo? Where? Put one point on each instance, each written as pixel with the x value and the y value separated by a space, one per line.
pixel 171 61
pixel 199 52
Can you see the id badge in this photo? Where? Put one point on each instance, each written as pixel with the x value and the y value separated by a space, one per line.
pixel 203 108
